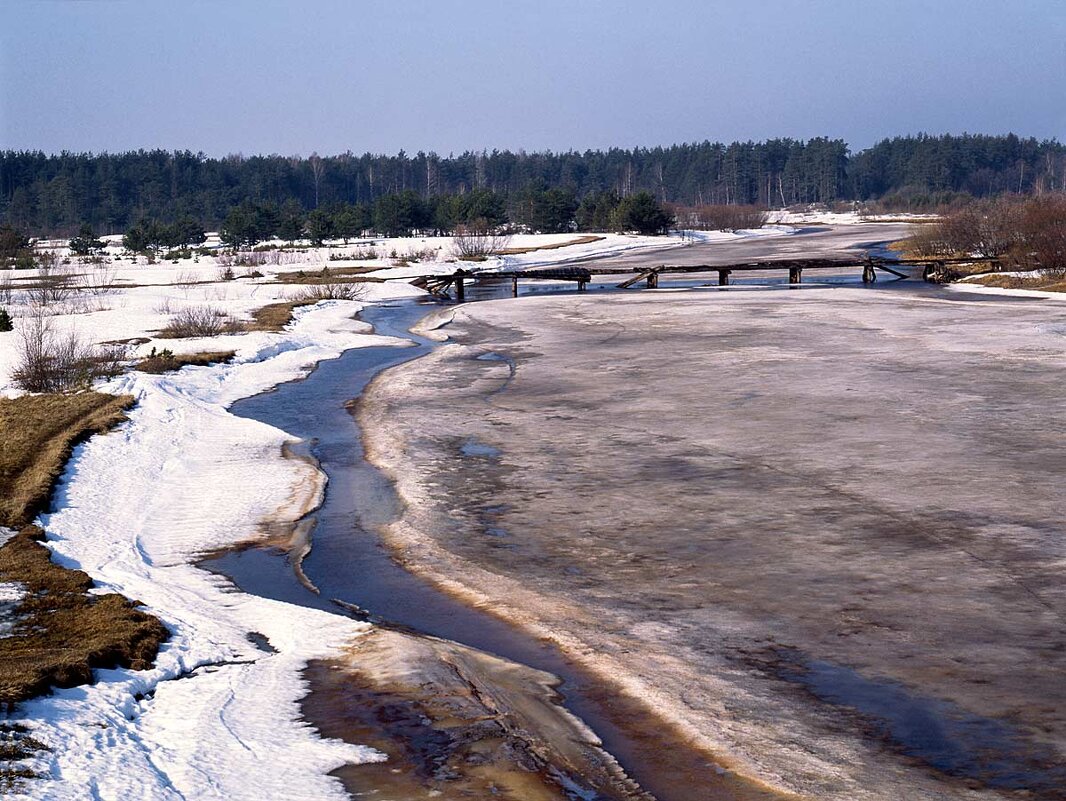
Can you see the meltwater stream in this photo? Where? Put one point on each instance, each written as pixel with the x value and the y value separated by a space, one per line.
pixel 349 563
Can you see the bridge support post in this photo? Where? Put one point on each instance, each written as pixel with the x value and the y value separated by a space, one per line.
pixel 653 280
pixel 795 275
pixel 723 277
pixel 581 286
pixel 868 274
pixel 514 286
pixel 460 290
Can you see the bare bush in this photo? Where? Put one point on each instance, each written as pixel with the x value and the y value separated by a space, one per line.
pixel 477 241
pixel 53 362
pixel 200 321
pixel 728 217
pixel 334 291
pixel 929 242
pixel 100 282
pixel 52 285
pixel 1043 233
pixel 258 258
pixel 1030 233
pixel 990 229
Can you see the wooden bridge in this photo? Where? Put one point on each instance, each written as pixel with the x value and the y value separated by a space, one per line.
pixel 582 276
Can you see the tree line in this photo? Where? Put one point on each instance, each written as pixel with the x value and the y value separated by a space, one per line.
pixel 57 193
pixel 536 208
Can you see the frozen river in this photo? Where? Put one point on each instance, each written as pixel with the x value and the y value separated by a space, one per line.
pixel 819 533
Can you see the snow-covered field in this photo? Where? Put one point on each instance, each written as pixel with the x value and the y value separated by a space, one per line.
pixel 824 217
pixel 136 509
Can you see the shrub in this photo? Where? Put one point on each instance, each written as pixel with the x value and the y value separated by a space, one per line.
pixel 336 291
pixel 475 242
pixel 5 321
pixel 727 217
pixel 1042 225
pixel 200 321
pixel 1031 233
pixel 51 362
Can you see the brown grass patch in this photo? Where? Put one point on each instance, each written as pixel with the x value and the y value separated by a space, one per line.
pixel 1044 283
pixel 581 240
pixel 167 362
pixel 329 275
pixel 62 633
pixel 39 432
pixel 275 316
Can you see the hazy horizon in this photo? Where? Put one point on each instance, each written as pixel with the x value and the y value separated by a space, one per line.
pixel 456 153
pixel 270 78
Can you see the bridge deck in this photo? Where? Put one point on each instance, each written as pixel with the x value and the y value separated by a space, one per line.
pixel 869 265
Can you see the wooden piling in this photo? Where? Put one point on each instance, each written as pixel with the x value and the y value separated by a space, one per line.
pixel 723 277
pixel 795 275
pixel 514 286
pixel 653 279
pixel 868 274
pixel 460 290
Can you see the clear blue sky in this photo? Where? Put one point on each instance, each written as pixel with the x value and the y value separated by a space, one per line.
pixel 264 76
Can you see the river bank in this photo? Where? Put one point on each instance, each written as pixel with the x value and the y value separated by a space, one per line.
pixel 798 445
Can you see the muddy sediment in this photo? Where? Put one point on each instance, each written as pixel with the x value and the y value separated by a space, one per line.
pixel 457 723
pixel 767 517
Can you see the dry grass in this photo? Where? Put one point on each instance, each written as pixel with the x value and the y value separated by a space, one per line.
pixel 62 632
pixel 16 744
pixel 329 275
pixel 200 321
pixel 167 362
pixel 341 290
pixel 275 316
pixel 1044 283
pixel 581 240
pixel 39 432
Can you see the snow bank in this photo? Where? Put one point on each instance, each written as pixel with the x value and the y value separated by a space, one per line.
pixel 136 509
pixel 823 217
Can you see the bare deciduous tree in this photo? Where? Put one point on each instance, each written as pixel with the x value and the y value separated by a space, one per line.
pixel 478 240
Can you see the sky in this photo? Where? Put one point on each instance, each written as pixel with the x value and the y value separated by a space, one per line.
pixel 326 76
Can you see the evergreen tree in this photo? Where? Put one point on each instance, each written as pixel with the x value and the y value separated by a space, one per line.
pixel 135 239
pixel 85 243
pixel 350 220
pixel 5 322
pixel 547 211
pixel 185 232
pixel 239 229
pixel 642 213
pixel 291 221
pixel 12 241
pixel 597 212
pixel 400 214
pixel 319 226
